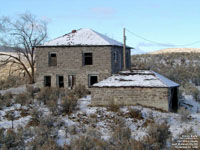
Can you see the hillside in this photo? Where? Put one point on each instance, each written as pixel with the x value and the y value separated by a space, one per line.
pixel 5 70
pixel 177 50
pixel 45 119
pixel 56 118
pixel 180 67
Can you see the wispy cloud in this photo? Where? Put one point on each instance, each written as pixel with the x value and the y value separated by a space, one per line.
pixel 144 47
pixel 46 19
pixel 103 11
pixel 144 44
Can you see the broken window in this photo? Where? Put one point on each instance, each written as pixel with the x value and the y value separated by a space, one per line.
pixel 87 58
pixel 52 59
pixel 60 81
pixel 92 80
pixel 47 81
pixel 71 81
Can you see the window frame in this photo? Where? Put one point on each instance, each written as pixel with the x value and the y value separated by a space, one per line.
pixel 84 58
pixel 89 79
pixel 58 81
pixel 71 84
pixel 45 81
pixel 50 59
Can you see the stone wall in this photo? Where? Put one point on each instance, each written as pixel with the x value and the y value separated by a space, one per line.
pixel 69 62
pixel 154 97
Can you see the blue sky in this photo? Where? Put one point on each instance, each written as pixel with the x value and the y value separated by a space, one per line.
pixel 169 22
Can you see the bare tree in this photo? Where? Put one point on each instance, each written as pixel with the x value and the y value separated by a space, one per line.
pixel 22 34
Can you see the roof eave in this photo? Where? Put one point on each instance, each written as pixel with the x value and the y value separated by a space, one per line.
pixel 39 46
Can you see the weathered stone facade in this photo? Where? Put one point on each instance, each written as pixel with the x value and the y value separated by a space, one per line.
pixel 70 62
pixel 154 97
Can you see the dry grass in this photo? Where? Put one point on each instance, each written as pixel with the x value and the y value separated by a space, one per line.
pixel 136 114
pixel 113 106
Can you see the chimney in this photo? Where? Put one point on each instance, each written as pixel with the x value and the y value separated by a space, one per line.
pixel 124 49
pixel 73 31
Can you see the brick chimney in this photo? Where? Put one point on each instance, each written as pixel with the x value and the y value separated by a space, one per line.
pixel 73 31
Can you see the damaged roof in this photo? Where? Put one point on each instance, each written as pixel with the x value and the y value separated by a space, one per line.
pixel 83 37
pixel 136 78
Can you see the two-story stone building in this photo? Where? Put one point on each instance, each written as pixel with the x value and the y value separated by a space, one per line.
pixel 80 57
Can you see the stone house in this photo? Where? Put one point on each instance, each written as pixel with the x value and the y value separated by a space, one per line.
pixel 133 87
pixel 92 59
pixel 82 57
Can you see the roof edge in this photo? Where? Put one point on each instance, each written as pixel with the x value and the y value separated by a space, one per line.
pixel 80 46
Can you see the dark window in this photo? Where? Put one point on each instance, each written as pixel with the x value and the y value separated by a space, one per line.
pixel 71 81
pixel 87 57
pixel 92 79
pixel 60 81
pixel 47 81
pixel 52 59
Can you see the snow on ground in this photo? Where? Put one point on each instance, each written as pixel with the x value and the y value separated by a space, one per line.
pixel 18 121
pixel 190 104
pixel 17 90
pixel 86 117
pixel 104 120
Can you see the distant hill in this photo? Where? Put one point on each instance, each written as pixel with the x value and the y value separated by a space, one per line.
pixel 182 67
pixel 177 50
pixel 6 49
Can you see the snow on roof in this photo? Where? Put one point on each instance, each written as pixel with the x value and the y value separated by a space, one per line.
pixel 83 37
pixel 136 78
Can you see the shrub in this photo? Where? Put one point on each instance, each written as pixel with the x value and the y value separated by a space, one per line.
pixel 31 91
pixel 184 113
pixel 135 114
pixel 122 133
pixel 23 99
pixel 24 112
pixel 13 140
pixel 158 134
pixel 69 103
pixel 89 141
pixel 53 107
pixel 36 115
pixel 8 96
pixel 196 94
pixel 5 100
pixel 47 121
pixel 81 91
pixel 43 137
pixel 119 121
pixel 12 81
pixel 50 144
pixel 47 94
pixel 113 106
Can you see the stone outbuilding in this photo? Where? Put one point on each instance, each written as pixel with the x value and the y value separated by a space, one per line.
pixel 132 87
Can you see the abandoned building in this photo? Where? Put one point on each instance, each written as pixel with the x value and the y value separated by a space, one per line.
pixel 142 87
pixel 80 57
pixel 92 59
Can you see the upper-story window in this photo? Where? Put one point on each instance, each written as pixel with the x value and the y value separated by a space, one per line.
pixel 52 59
pixel 87 59
pixel 115 56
